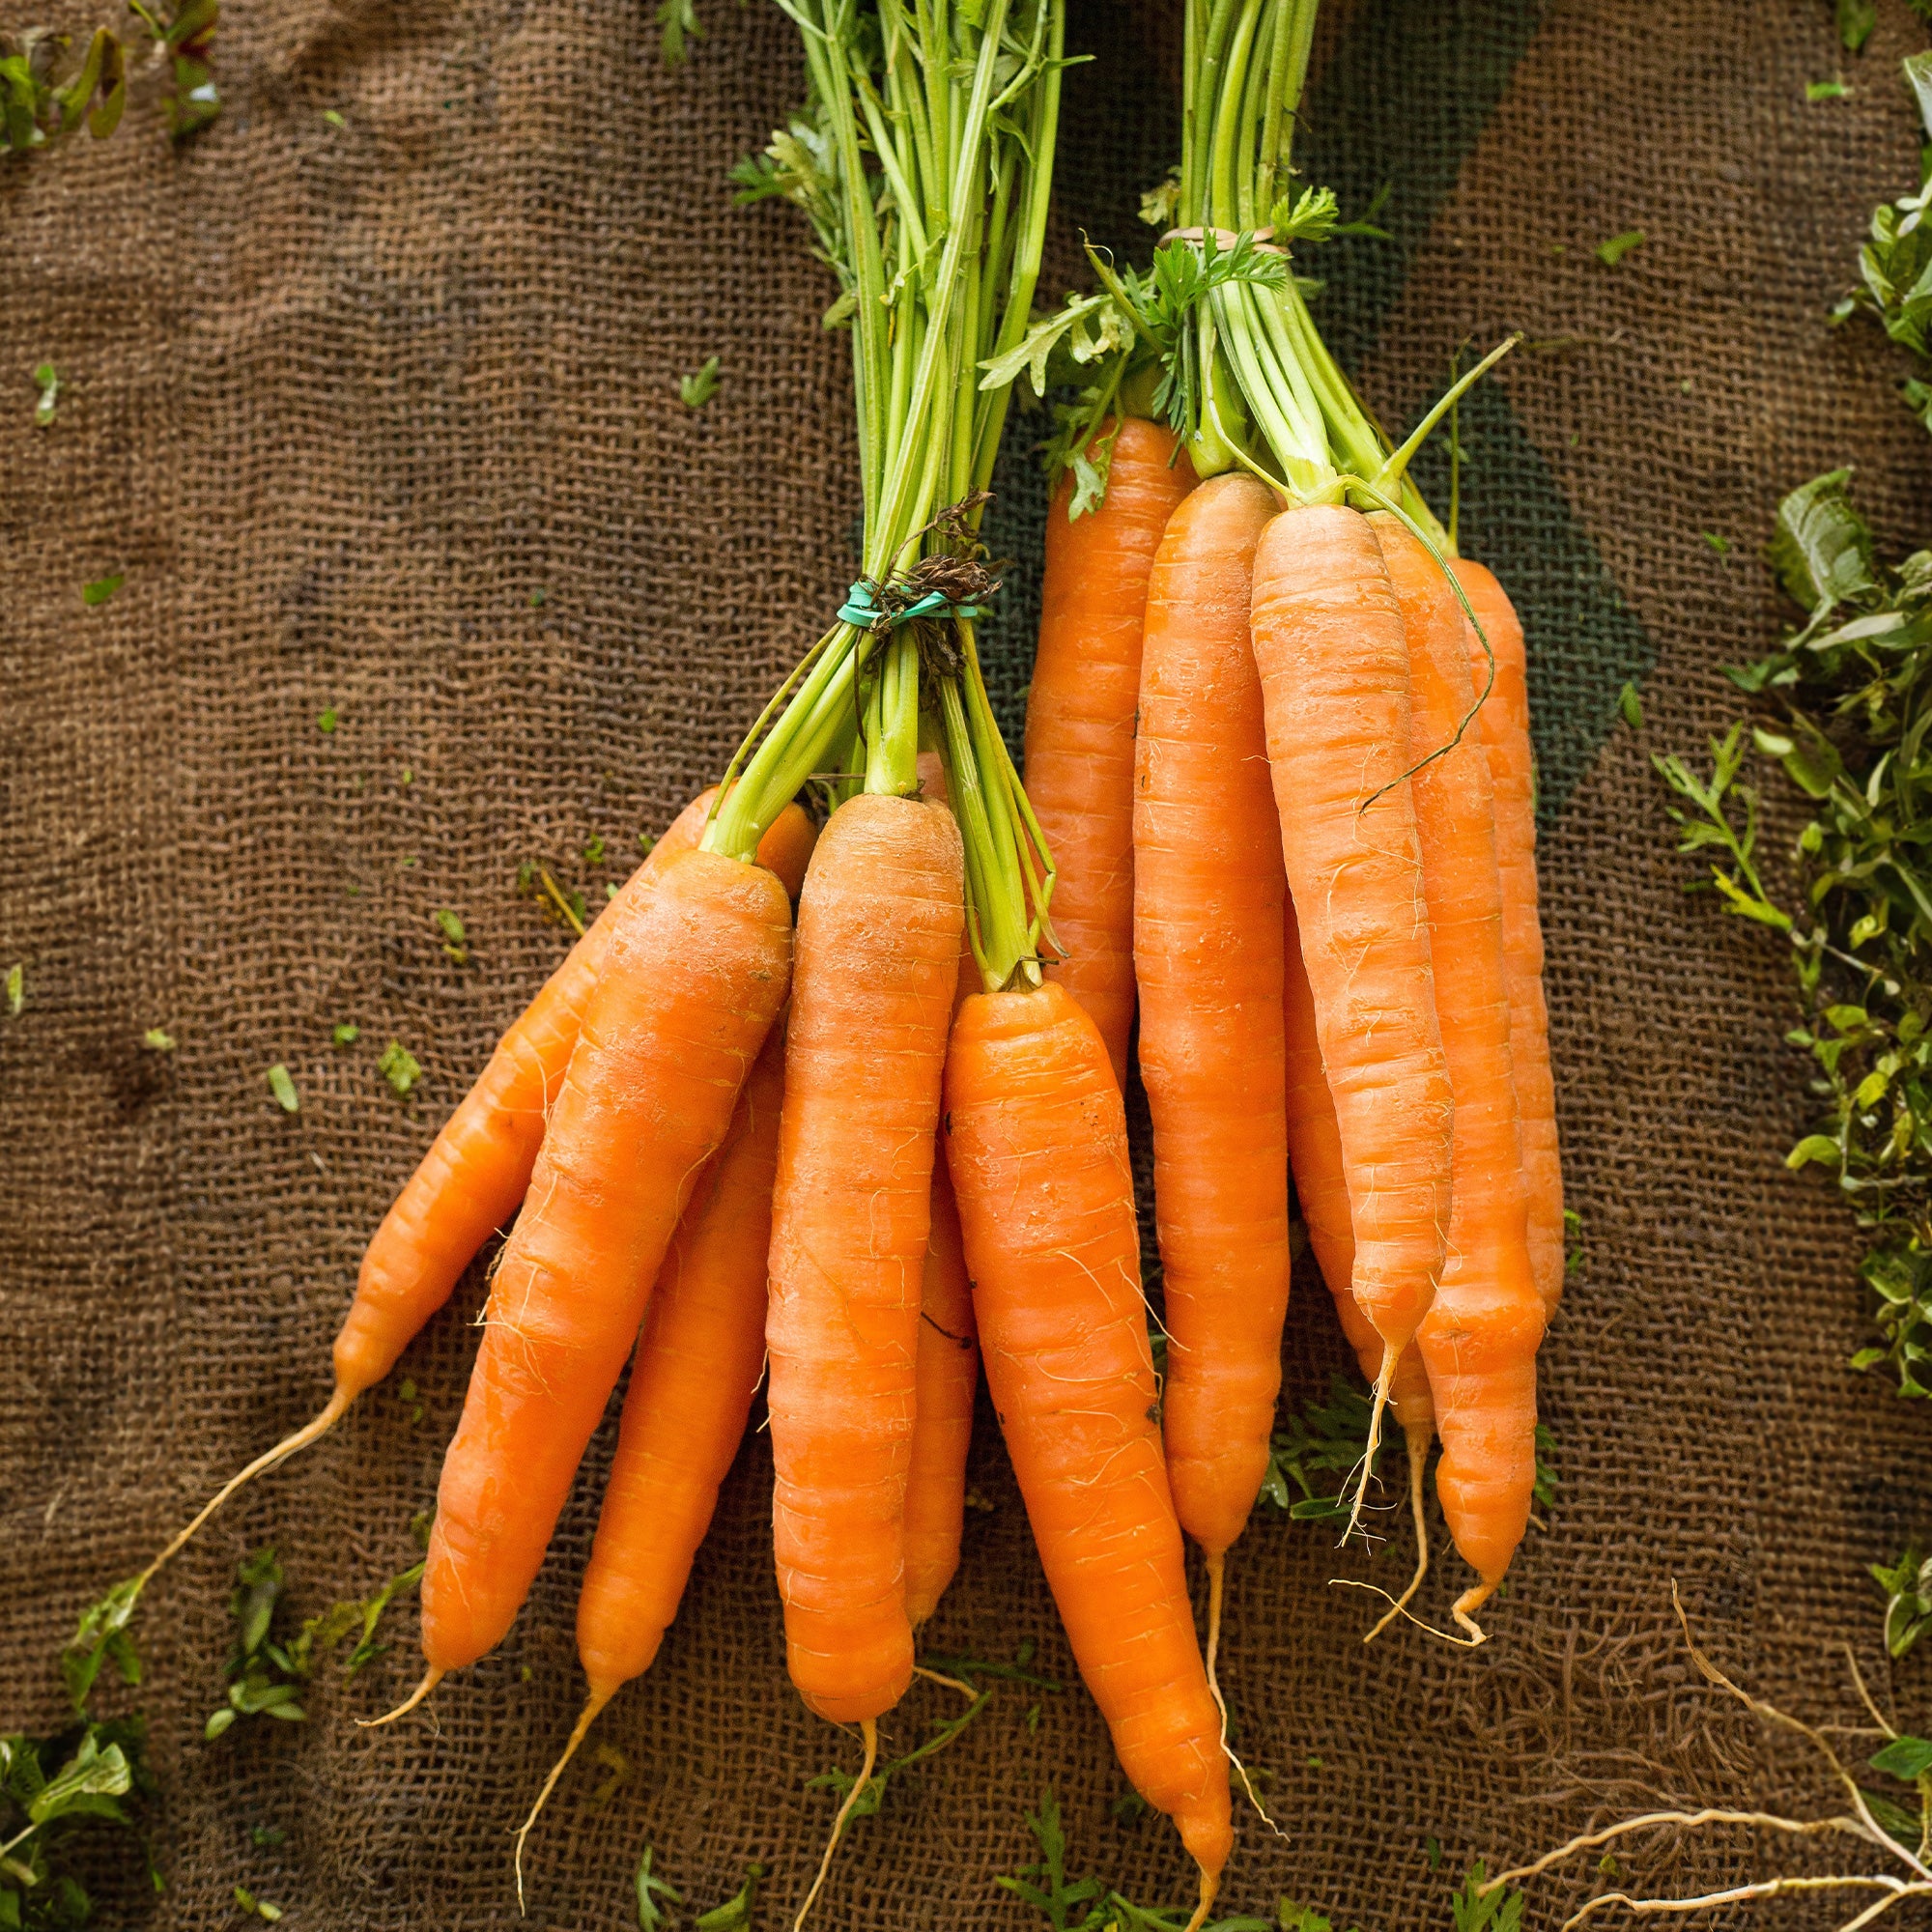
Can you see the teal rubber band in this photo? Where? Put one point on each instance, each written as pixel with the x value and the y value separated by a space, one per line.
pixel 861 608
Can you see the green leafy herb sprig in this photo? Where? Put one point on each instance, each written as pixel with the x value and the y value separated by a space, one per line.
pixel 44 96
pixel 49 1789
pixel 1853 692
pixel 1895 264
pixel 1908 1599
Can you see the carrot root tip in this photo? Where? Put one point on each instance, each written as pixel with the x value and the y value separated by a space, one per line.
pixel 579 1731
pixel 1419 1439
pixel 1470 1601
pixel 1211 1884
pixel 430 1679
pixel 868 1729
pixel 317 1427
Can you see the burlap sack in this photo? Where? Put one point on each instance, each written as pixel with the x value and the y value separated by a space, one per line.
pixel 382 418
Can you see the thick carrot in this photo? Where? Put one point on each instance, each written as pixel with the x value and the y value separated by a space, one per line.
pixel 878 955
pixel 1480 1337
pixel 474 1174
pixel 1334 668
pixel 1208 951
pixel 947 1376
pixel 693 978
pixel 1504 725
pixel 696 1369
pixel 1080 717
pixel 1035 1140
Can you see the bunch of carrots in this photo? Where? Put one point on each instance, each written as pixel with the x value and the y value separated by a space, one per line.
pixel 1278 802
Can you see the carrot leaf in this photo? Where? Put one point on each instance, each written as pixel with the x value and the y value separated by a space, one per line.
pixel 1324 1443
pixel 650 1888
pixel 399 1066
pixel 697 390
pixel 47 379
pixel 283 1087
pixel 1908 1606
pixel 735 1914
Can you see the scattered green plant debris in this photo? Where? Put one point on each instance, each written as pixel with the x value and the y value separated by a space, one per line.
pixel 1432 1847
pixel 1129 1808
pixel 99 589
pixel 345 1032
pixel 697 390
pixel 1477 1906
pixel 409 1398
pixel 1324 1444
pixel 1722 544
pixel 647 842
pixel 47 379
pixel 735 1914
pixel 1631 707
pixel 256 1908
pixel 158 1039
pixel 324 1634
pixel 593 849
pixel 677 28
pixel 650 1889
pixel 1612 251
pixel 334 117
pixel 839 1781
pixel 328 722
pixel 454 937
pixel 260 1673
pixel 409 777
pixel 101 1639
pixel 539 597
pixel 266 1838
pixel 16 989
pixel 1908 1599
pixel 1854 686
pixel 1293 1917
pixel 1826 90
pixel 399 1066
pixel 283 1087
pixel 1545 1485
pixel 616 1772
pixel 49 1788
pixel 1896 263
pixel 1856 20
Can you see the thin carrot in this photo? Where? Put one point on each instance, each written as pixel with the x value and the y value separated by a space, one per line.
pixel 693 978
pixel 948 1378
pixel 1036 1141
pixel 477 1169
pixel 1322 1188
pixel 696 1369
pixel 878 955
pixel 1334 666
pixel 1080 716
pixel 1480 1337
pixel 1208 894
pixel 1504 725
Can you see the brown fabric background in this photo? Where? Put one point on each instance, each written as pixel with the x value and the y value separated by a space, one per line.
pixel 341 402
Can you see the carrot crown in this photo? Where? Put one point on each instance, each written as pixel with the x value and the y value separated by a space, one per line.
pixel 922 160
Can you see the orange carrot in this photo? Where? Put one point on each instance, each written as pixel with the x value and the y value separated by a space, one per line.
pixel 1504 725
pixel 1035 1142
pixel 1334 668
pixel 697 1366
pixel 1208 954
pixel 878 954
pixel 1080 717
pixel 693 978
pixel 947 1376
pixel 1480 1337
pixel 475 1172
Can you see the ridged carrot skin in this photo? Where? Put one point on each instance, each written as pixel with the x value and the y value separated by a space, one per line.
pixel 1208 894
pixel 1314 1152
pixel 1334 668
pixel 1035 1142
pixel 1080 717
pixel 878 956
pixel 475 1172
pixel 1504 725
pixel 692 977
pixel 1480 1337
pixel 948 1374
pixel 697 1370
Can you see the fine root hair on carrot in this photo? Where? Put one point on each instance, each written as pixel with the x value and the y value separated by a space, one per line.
pixel 312 1430
pixel 1463 1610
pixel 1409 1616
pixel 1217 1576
pixel 965 1690
pixel 1211 1884
pixel 1419 1438
pixel 1390 1356
pixel 585 1718
pixel 868 1729
pixel 432 1677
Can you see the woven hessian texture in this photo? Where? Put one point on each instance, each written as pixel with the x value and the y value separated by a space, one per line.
pixel 384 418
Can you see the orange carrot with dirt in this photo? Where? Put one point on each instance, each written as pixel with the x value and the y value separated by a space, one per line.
pixel 1334 668
pixel 694 974
pixel 1035 1142
pixel 1080 716
pixel 697 1366
pixel 476 1171
pixel 947 1374
pixel 1208 894
pixel 1480 1337
pixel 1503 724
pixel 877 961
